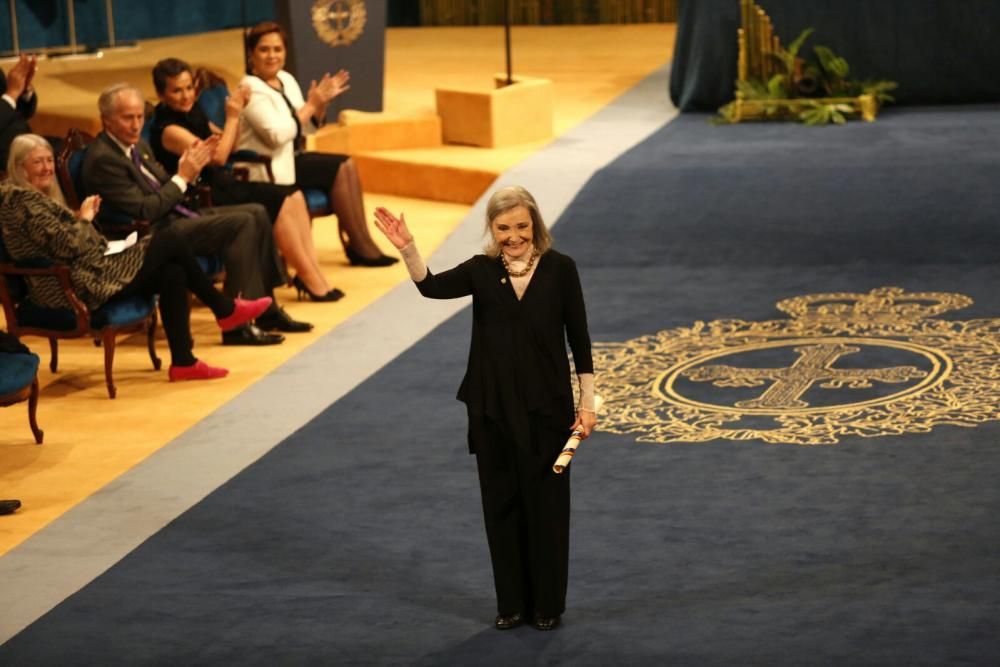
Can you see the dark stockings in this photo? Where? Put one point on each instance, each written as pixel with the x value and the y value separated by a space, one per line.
pixel 348 204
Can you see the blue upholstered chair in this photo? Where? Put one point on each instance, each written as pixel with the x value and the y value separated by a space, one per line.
pixel 19 382
pixel 25 318
pixel 212 100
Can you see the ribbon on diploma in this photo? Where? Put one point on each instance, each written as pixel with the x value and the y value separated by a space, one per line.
pixel 569 449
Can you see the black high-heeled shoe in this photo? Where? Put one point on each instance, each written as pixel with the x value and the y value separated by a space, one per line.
pixel 302 291
pixel 357 260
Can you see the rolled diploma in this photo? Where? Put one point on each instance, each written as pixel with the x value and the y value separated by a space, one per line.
pixel 569 449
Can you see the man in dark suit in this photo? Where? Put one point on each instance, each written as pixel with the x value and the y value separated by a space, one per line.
pixel 119 167
pixel 19 103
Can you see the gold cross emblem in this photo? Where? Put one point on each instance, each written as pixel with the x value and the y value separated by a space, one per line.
pixel 815 364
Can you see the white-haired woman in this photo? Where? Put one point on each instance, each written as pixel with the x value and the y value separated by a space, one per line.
pixel 35 223
pixel 526 302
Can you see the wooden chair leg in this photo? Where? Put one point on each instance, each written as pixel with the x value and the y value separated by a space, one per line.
pixel 108 339
pixel 54 354
pixel 32 410
pixel 151 341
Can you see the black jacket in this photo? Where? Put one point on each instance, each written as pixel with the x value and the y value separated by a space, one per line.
pixel 13 122
pixel 517 359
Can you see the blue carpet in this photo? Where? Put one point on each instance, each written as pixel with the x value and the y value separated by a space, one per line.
pixel 359 539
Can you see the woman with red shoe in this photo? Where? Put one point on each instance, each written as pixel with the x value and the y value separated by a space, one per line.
pixel 35 226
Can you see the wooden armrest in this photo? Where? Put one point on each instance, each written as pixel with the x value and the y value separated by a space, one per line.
pixel 61 273
pixel 249 157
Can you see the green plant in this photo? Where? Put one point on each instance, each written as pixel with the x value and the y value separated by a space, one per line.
pixel 792 92
pixel 818 112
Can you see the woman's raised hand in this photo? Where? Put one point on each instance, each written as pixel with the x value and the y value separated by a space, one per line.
pixel 236 101
pixel 89 208
pixel 394 228
pixel 320 93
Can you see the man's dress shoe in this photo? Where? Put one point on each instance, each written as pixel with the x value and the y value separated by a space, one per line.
pixel 9 506
pixel 277 319
pixel 250 335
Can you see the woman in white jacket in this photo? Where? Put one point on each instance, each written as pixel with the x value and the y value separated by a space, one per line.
pixel 275 122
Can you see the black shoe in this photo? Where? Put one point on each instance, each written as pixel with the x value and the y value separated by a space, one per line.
pixel 546 622
pixel 301 289
pixel 507 622
pixel 276 319
pixel 248 334
pixel 9 506
pixel 357 260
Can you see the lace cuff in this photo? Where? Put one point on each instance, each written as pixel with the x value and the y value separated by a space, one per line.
pixel 414 262
pixel 586 392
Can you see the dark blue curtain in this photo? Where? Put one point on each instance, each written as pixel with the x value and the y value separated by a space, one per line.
pixel 45 23
pixel 939 51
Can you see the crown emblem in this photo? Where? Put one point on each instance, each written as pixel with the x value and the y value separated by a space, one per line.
pixel 884 305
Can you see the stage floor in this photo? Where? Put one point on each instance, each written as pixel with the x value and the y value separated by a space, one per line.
pixel 91 440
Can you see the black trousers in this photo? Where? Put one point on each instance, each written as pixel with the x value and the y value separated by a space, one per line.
pixel 526 511
pixel 242 236
pixel 170 270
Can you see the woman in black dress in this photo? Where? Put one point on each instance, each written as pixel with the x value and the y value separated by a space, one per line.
pixel 178 122
pixel 526 302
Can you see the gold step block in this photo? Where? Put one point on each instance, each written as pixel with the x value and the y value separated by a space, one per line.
pixel 363 131
pixel 507 115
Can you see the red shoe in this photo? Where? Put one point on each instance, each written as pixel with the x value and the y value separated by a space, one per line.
pixel 243 312
pixel 199 370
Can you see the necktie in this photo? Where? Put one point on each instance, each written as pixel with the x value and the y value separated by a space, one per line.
pixel 155 184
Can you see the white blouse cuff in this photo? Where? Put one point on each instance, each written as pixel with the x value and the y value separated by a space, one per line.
pixel 414 262
pixel 586 381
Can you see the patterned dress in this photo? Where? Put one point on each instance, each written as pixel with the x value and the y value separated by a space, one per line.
pixel 36 227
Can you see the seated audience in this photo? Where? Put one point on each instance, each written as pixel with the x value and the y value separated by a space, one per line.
pixel 179 123
pixel 34 226
pixel 19 102
pixel 120 167
pixel 275 121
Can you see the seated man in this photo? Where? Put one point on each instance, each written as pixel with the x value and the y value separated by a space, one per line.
pixel 19 102
pixel 119 167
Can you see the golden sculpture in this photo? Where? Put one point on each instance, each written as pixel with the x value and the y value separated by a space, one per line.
pixel 770 76
pixel 707 382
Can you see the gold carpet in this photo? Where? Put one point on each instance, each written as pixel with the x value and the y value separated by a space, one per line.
pixel 89 439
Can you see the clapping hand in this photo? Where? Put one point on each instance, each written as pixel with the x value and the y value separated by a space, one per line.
pixel 394 228
pixel 328 87
pixel 21 75
pixel 195 157
pixel 89 208
pixel 237 100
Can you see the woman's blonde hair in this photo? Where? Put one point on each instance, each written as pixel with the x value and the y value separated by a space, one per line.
pixel 504 200
pixel 22 145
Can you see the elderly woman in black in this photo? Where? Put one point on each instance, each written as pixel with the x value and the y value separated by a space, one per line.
pixel 527 301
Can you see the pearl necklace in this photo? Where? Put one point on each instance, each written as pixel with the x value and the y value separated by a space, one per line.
pixel 525 271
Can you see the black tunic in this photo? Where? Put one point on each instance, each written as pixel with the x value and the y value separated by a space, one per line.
pixel 517 358
pixel 226 189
